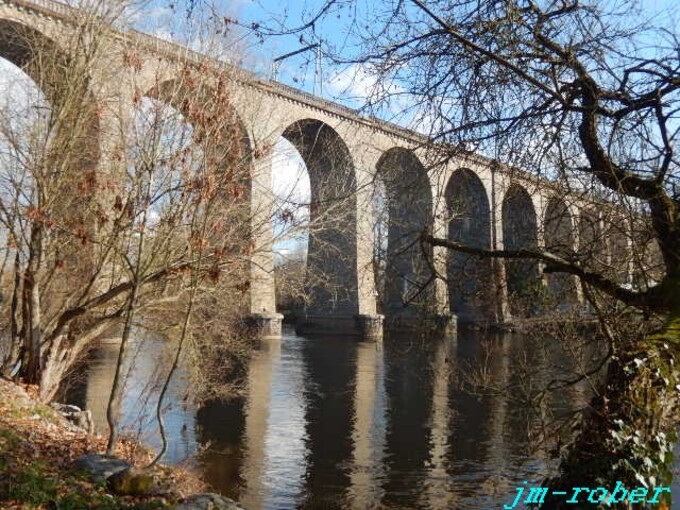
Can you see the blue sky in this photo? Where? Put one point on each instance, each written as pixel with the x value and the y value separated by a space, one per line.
pixel 301 71
pixel 257 54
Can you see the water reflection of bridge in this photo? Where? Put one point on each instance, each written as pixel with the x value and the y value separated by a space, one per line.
pixel 336 424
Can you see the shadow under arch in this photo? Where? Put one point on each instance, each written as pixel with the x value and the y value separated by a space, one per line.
pixel 520 230
pixel 469 278
pixel 559 238
pixel 331 279
pixel 407 270
pixel 592 246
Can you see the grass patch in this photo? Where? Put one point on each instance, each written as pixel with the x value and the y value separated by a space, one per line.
pixel 30 485
pixel 34 486
pixel 46 412
pixel 7 438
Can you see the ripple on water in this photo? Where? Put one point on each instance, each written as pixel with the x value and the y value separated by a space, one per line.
pixel 336 423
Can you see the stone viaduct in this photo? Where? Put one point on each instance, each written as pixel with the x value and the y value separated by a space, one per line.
pixel 466 197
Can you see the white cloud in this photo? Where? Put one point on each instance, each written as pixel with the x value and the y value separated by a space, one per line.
pixel 356 82
pixel 16 86
pixel 360 85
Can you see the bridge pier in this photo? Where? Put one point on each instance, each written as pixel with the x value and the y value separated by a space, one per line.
pixel 267 325
pixel 370 326
pixel 363 326
pixel 264 319
pixel 441 324
pixel 502 314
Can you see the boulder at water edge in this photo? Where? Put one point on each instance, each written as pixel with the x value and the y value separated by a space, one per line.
pixel 130 482
pixel 100 467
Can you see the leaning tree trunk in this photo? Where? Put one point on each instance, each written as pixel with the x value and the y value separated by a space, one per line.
pixel 628 434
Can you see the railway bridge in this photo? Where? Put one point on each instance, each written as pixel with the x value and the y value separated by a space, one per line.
pixel 463 196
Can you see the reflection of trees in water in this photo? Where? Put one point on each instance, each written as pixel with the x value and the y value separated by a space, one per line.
pixel 540 385
pixel 219 429
pixel 90 385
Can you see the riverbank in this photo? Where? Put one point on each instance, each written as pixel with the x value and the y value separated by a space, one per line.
pixel 38 448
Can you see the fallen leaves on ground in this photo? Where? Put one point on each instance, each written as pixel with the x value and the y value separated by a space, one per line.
pixel 37 450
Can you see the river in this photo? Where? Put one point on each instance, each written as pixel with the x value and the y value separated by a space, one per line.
pixel 334 423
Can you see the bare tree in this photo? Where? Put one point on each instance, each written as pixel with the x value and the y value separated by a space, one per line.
pixel 47 211
pixel 585 94
pixel 99 232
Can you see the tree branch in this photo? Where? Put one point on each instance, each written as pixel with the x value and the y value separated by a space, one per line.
pixel 489 54
pixel 111 294
pixel 555 264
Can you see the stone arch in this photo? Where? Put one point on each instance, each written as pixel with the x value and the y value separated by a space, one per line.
pixel 70 142
pixel 559 239
pixel 469 277
pixel 520 230
pixel 50 66
pixel 217 151
pixel 43 60
pixel 222 136
pixel 409 204
pixel 213 116
pixel 32 51
pixel 331 279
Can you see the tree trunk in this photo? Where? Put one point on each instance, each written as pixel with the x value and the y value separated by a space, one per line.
pixel 32 366
pixel 63 352
pixel 13 355
pixel 628 434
